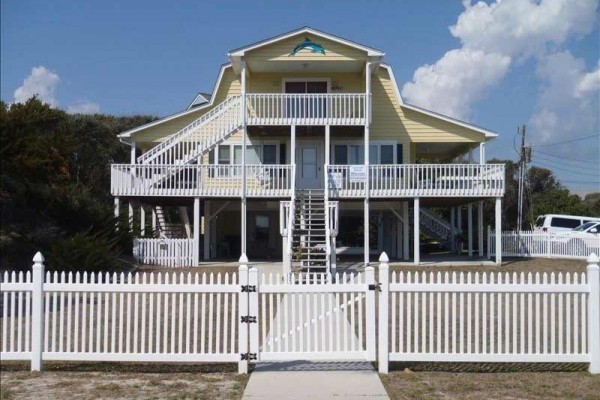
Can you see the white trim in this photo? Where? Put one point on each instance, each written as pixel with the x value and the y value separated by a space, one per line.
pixel 284 80
pixel 127 134
pixel 488 134
pixel 239 52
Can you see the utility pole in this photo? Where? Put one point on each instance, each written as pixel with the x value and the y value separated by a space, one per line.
pixel 524 158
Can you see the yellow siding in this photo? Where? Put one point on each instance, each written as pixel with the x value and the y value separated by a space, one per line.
pixel 273 82
pixel 280 51
pixel 391 121
pixel 229 86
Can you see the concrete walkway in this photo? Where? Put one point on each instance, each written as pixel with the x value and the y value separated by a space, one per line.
pixel 314 380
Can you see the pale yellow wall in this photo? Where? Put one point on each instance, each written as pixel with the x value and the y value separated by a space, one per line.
pixel 280 51
pixel 273 82
pixel 230 86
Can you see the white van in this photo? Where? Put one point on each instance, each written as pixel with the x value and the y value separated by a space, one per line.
pixel 554 223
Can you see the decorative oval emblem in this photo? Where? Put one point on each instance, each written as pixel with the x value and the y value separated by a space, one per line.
pixel 308 44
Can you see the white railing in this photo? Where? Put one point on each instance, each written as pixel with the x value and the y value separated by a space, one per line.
pixel 542 244
pixel 199 136
pixel 306 109
pixel 200 180
pixel 495 317
pixel 432 180
pixel 165 251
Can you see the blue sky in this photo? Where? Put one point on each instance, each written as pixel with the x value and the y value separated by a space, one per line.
pixel 151 57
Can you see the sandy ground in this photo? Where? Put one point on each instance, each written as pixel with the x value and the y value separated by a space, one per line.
pixel 121 381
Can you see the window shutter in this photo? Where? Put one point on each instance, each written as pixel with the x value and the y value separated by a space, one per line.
pixel 211 156
pixel 399 155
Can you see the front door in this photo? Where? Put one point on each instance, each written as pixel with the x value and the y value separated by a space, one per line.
pixel 309 165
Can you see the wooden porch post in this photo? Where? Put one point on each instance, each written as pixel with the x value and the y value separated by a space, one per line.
pixel 117 210
pixel 196 235
pixel 142 220
pixel 498 230
pixel 459 228
pixel 480 228
pixel 207 223
pixel 416 232
pixel 366 152
pixel 470 228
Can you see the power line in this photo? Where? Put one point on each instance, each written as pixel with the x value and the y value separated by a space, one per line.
pixel 558 162
pixel 567 141
pixel 565 169
pixel 567 159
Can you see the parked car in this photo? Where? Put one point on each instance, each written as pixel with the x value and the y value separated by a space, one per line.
pixel 582 240
pixel 554 223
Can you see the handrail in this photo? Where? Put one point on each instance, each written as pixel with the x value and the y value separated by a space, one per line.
pixel 189 129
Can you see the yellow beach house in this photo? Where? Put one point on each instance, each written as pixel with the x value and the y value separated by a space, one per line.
pixel 304 152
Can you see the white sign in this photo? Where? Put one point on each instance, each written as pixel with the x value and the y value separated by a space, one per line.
pixel 336 179
pixel 358 174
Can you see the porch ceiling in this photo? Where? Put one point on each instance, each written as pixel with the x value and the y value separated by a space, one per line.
pixel 442 151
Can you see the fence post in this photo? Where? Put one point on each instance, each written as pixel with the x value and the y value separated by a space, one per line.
pixel 243 311
pixel 384 282
pixel 593 276
pixel 37 312
pixel 370 313
pixel 253 311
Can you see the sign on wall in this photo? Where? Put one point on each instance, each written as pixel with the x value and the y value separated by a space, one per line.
pixel 358 173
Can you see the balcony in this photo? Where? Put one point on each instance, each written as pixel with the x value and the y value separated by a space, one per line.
pixel 412 180
pixel 306 109
pixel 201 180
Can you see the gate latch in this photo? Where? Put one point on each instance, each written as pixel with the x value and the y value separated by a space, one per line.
pixel 375 286
pixel 248 288
pixel 248 356
pixel 249 319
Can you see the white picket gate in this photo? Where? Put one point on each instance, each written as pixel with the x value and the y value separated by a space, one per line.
pixel 314 317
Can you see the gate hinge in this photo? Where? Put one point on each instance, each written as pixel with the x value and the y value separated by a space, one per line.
pixel 375 286
pixel 248 356
pixel 248 288
pixel 249 319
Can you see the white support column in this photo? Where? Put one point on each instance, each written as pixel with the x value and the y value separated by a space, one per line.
pixel 593 276
pixel 453 228
pixel 293 145
pixel 244 149
pixel 498 230
pixel 399 224
pixel 405 232
pixel 366 231
pixel 130 216
pixel 196 234
pixel 142 220
pixel 37 312
pixel 366 157
pixel 207 223
pixel 416 233
pixel 470 228
pixel 482 153
pixel 327 146
pixel 480 228
pixel 117 210
pixel 132 153
pixel 459 229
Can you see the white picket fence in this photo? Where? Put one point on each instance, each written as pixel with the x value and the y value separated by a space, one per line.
pixel 167 252
pixel 489 317
pixel 242 317
pixel 542 244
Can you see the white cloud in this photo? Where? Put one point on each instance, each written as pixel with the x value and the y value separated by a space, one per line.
pixel 456 81
pixel 85 107
pixel 492 36
pixel 41 83
pixel 568 102
pixel 523 27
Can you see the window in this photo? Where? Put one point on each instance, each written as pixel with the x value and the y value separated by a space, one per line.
pixel 252 154
pixel 269 154
pixel 261 227
pixel 354 154
pixel 565 222
pixel 224 155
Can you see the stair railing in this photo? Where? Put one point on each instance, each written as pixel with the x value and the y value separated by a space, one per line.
pixel 436 225
pixel 193 140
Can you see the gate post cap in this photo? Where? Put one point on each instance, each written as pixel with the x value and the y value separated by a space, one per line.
pixel 38 258
pixel 593 259
pixel 243 259
pixel 384 257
